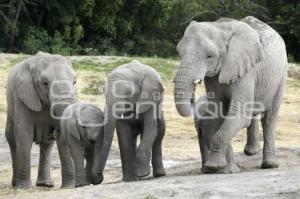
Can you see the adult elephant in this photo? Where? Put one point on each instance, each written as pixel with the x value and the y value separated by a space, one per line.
pixel 38 90
pixel 243 65
pixel 134 95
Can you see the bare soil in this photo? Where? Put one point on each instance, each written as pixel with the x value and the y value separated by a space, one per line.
pixel 183 180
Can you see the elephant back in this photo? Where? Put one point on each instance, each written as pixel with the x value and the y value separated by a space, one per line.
pixel 267 35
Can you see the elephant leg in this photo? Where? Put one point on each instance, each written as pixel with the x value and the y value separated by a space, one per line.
pixel 206 129
pixel 236 119
pixel 204 150
pixel 252 146
pixel 148 136
pixel 44 176
pixel 67 166
pixel 78 155
pixel 24 138
pixel 268 125
pixel 9 133
pixel 269 121
pixel 231 164
pixel 127 144
pixel 89 164
pixel 157 162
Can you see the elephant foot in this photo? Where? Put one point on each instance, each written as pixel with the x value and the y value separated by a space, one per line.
pixel 230 169
pixel 142 164
pixel 23 184
pixel 68 185
pixel 207 170
pixel 252 149
pixel 81 184
pixel 142 171
pixel 130 178
pixel 45 183
pixel 215 162
pixel 269 164
pixel 159 172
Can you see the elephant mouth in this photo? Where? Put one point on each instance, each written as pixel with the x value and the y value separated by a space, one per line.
pixel 197 81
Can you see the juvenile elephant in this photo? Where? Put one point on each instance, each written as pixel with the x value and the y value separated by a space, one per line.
pixel 134 95
pixel 38 90
pixel 243 64
pixel 82 131
pixel 207 125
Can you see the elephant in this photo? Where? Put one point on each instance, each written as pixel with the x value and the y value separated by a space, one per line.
pixel 82 130
pixel 206 125
pixel 243 65
pixel 134 96
pixel 38 90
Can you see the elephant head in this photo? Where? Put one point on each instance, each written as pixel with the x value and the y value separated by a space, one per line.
pixel 226 49
pixel 46 80
pixel 130 89
pixel 84 122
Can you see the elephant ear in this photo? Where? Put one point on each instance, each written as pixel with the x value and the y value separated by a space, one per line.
pixel 243 53
pixel 68 124
pixel 25 87
pixel 151 89
pixel 72 128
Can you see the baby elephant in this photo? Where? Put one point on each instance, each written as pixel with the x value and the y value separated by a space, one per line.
pixel 82 131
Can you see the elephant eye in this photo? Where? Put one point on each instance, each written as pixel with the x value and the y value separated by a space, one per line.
pixel 74 82
pixel 209 56
pixel 45 83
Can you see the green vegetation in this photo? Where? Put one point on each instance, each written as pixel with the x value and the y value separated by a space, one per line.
pixel 166 67
pixel 91 65
pixel 132 27
pixel 95 87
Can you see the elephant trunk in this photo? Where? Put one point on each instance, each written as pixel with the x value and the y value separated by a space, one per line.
pixel 105 145
pixel 97 177
pixel 185 81
pixel 61 95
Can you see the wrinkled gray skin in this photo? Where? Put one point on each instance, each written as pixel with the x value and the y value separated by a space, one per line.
pixel 207 125
pixel 82 130
pixel 29 119
pixel 241 62
pixel 141 86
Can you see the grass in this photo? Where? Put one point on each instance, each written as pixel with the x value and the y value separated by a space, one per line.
pixel 95 87
pixel 165 67
pixel 94 66
pixel 16 60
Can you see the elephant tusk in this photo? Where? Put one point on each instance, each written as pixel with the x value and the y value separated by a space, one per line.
pixel 198 81
pixel 122 116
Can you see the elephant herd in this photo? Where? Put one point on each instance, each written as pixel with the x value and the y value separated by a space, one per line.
pixel 242 64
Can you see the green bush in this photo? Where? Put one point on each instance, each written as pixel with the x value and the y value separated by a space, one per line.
pixel 59 46
pixel 35 39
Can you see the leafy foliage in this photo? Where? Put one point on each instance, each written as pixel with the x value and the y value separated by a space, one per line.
pixel 131 27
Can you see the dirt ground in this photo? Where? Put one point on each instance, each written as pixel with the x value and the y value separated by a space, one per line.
pixel 181 158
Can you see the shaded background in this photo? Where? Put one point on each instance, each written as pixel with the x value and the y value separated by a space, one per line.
pixel 131 27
